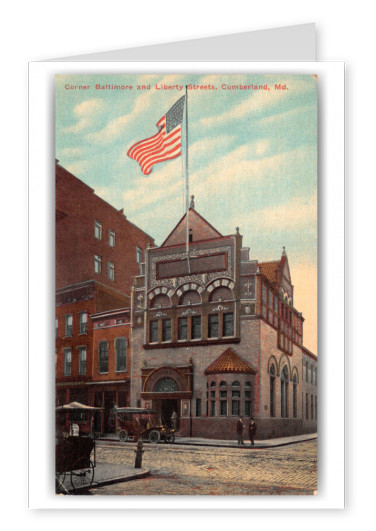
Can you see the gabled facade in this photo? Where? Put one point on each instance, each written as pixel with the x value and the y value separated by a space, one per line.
pixel 215 334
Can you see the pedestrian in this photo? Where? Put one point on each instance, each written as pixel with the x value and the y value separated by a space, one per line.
pixel 239 431
pixel 174 420
pixel 252 430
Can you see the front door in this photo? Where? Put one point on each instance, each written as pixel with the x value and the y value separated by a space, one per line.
pixel 168 406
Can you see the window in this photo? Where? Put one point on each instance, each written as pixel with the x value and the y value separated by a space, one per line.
pixel 272 390
pixel 223 407
pixel 311 375
pixel 111 271
pixel 235 406
pixel 284 392
pixel 196 327
pixel 97 230
pixel 198 407
pixel 120 354
pixel 213 326
pixel 311 407
pixel 228 324
pixel 315 407
pixel 166 330
pixel 153 331
pixel 68 325
pixel 139 255
pixel 81 360
pixel 223 399
pixel 97 264
pixel 294 397
pixel 247 398
pixel 306 405
pixel 83 323
pixel 306 368
pixel 111 239
pixel 212 408
pixel 103 357
pixel 67 362
pixel 182 328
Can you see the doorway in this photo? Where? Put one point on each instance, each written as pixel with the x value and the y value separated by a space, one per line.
pixel 165 408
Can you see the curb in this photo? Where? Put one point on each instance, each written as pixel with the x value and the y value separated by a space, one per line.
pixel 110 481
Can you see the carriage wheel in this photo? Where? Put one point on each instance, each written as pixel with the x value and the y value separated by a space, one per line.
pixel 59 480
pixel 123 435
pixel 154 436
pixel 82 475
pixel 170 438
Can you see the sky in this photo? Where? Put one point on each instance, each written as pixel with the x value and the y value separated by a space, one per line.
pixel 252 160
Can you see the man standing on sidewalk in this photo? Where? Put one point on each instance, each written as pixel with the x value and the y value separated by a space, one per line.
pixel 239 431
pixel 252 430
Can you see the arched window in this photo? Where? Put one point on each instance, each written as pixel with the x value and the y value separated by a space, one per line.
pixel 160 301
pixel 165 385
pixel 247 399
pixel 189 297
pixel 222 293
pixel 294 396
pixel 235 395
pixel 284 392
pixel 272 390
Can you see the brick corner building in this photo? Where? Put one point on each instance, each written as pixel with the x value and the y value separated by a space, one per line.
pixel 215 335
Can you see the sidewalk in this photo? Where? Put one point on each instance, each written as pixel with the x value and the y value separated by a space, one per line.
pixel 106 474
pixel 197 441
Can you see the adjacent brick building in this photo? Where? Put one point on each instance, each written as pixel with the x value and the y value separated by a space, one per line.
pixel 98 253
pixel 215 334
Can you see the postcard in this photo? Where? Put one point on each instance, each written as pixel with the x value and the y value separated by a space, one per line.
pixel 186 284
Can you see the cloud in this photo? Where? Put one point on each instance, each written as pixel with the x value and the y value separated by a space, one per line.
pixel 86 113
pixel 79 167
pixel 69 153
pixel 117 126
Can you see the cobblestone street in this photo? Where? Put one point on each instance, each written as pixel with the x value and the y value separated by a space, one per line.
pixel 189 470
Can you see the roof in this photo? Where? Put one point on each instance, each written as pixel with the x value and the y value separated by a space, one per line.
pixel 270 270
pixel 227 362
pixel 202 230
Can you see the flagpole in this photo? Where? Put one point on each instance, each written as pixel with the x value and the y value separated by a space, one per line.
pixel 186 181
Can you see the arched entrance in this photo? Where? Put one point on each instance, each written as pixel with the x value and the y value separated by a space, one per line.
pixel 169 389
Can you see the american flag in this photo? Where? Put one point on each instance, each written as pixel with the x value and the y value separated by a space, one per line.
pixel 165 145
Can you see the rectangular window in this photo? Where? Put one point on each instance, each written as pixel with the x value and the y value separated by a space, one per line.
pixel 223 408
pixel 139 255
pixel 306 406
pixel 196 327
pixel 213 326
pixel 103 357
pixel 228 324
pixel 212 408
pixel 111 239
pixel 247 408
pixel 120 354
pixel 153 331
pixel 68 325
pixel 81 360
pixel 111 271
pixel 311 375
pixel 67 362
pixel 97 264
pixel 83 323
pixel 311 407
pixel 235 407
pixel 166 330
pixel 97 230
pixel 182 328
pixel 198 407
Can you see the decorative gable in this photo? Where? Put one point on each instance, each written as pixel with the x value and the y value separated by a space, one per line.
pixel 199 230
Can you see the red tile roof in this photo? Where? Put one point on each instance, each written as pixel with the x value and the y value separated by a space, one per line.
pixel 229 361
pixel 270 270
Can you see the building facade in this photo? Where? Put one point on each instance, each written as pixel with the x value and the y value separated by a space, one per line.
pixel 98 253
pixel 215 335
